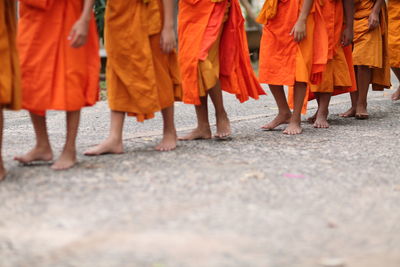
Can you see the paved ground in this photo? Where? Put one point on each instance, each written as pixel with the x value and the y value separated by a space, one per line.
pixel 262 199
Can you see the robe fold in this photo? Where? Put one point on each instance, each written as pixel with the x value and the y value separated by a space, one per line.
pixel 209 63
pixel 213 47
pixel 56 76
pixel 394 33
pixel 141 79
pixel 284 61
pixel 371 47
pixel 339 76
pixel 10 90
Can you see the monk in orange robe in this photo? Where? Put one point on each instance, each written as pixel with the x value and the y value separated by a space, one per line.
pixel 59 54
pixel 394 41
pixel 214 56
pixel 292 53
pixel 142 68
pixel 370 53
pixel 339 76
pixel 10 93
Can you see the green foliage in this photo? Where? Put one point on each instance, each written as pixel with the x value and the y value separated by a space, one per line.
pixel 99 11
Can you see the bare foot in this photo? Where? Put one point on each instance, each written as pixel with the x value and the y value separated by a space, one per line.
pixel 321 121
pixel 279 120
pixel 348 114
pixel 36 154
pixel 293 128
pixel 197 134
pixel 313 117
pixel 361 112
pixel 66 161
pixel 223 127
pixel 109 146
pixel 168 143
pixel 396 95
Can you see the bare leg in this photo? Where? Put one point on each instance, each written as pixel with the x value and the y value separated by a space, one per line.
pixel 67 158
pixel 284 113
pixel 42 151
pixel 396 95
pixel 353 97
pixel 294 126
pixel 2 170
pixel 352 110
pixel 364 75
pixel 223 123
pixel 168 142
pixel 314 117
pixel 203 130
pixel 321 120
pixel 113 143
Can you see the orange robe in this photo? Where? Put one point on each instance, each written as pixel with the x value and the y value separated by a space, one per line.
pixel 56 76
pixel 394 33
pixel 284 61
pixel 213 46
pixel 10 92
pixel 371 47
pixel 339 76
pixel 141 79
pixel 209 63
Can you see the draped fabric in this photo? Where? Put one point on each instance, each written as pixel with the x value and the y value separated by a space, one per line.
pixel 371 47
pixel 10 90
pixel 212 38
pixel 339 76
pixel 394 33
pixel 141 79
pixel 268 11
pixel 55 75
pixel 284 61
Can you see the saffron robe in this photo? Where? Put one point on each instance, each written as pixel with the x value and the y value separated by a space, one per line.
pixel 284 61
pixel 141 79
pixel 209 63
pixel 339 76
pixel 394 33
pixel 371 47
pixel 205 39
pixel 56 76
pixel 10 91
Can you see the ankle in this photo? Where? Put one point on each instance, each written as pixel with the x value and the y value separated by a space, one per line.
pixel 204 127
pixel 115 139
pixel 286 113
pixel 323 112
pixel 43 147
pixel 362 105
pixel 295 119
pixel 70 148
pixel 169 131
pixel 221 114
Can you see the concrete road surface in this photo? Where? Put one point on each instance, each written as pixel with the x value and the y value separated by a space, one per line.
pixel 324 198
